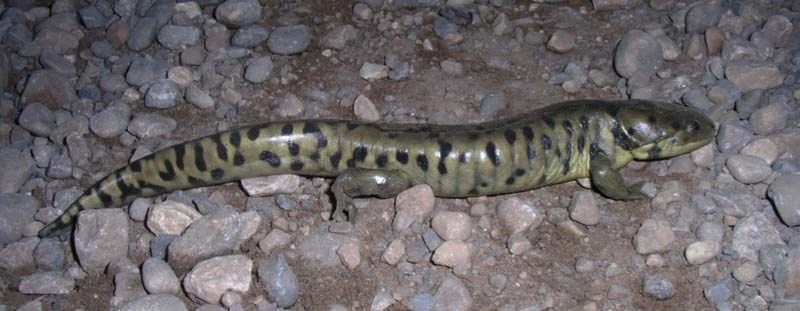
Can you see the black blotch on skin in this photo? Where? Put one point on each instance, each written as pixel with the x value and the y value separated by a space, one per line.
pixel 546 143
pixel 567 127
pixel 422 162
pixel 287 129
pixel 401 156
pixel 253 132
pixel 442 168
pixel 392 135
pixel 651 119
pixel 584 120
pixel 314 157
pixel 693 126
pixel 351 125
pixel 312 128
pixel 271 158
pixel 527 131
pixel 382 160
pixel 433 134
pixel 296 165
pixel 462 157
pixel 124 188
pixel 473 136
pixel 169 174
pixel 335 158
pixel 542 179
pixel 510 180
pixel 510 135
pixel 631 131
pixel 581 143
pixel 294 148
pixel 238 159
pixel 235 139
pixel 530 150
pixel 351 163
pixel 217 173
pixel 613 110
pixel 566 167
pixel 676 125
pixel 104 197
pixel 621 139
pixel 444 149
pixel 491 151
pixel 180 153
pixel 136 166
pixel 654 153
pixel 519 172
pixel 222 151
pixel 483 184
pixel 594 149
pixel 156 188
pixel 195 181
pixel 549 122
pixel 473 191
pixel 360 153
pixel 199 161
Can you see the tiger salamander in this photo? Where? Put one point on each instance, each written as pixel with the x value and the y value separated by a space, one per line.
pixel 566 141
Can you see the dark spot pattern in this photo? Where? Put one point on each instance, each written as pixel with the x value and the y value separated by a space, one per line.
pixel 180 153
pixel 567 127
pixel 621 139
pixel 444 149
pixel 473 136
pixel 527 131
pixel 169 174
pixel 222 151
pixel 104 197
pixel 491 151
pixel 294 148
pixel 422 162
pixel 530 151
pixel 549 122
pixel 296 165
pixel 253 133
pixel 546 143
pixel 382 160
pixel 462 157
pixel 125 189
pixel 581 143
pixel 442 168
pixel 335 158
pixel 473 192
pixel 510 135
pixel 654 153
pixel 217 173
pixel 235 139
pixel 156 188
pixel 584 121
pixel 676 125
pixel 351 126
pixel 312 129
pixel 196 182
pixel 271 158
pixel 238 159
pixel 401 156
pixel 360 153
pixel 314 157
pixel 510 180
pixel 287 129
pixel 652 119
pixel 136 166
pixel 519 172
pixel 199 161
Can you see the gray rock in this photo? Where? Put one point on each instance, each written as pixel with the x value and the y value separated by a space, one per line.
pixel 288 40
pixel 48 255
pixel 215 234
pixel 338 37
pixel 47 283
pixel 238 13
pixel 658 287
pixel 769 119
pixel 112 121
pixel 289 105
pixel 732 137
pixel 612 5
pixel 146 125
pixel 696 98
pixel 786 166
pixel 720 292
pixel 42 151
pixel 209 279
pixel 113 83
pixel 724 93
pixel 452 295
pixel 778 29
pixel 362 11
pixel 734 203
pixel 492 104
pixel 19 255
pixel 562 41
pixel 193 55
pixel 444 28
pixel 198 97
pixel 771 256
pixel 92 18
pixel 16 167
pixel 16 211
pixel 50 87
pixel 637 51
pixel 101 236
pixel 158 277
pixel 159 245
pixel 175 37
pixel 258 70
pixel 654 236
pixel 78 149
pixel 422 302
pixel 154 302
pixel 787 274
pixel 748 169
pixel 583 208
pixel 127 285
pixel 145 70
pixel 751 75
pixel 161 11
pixel 709 231
pixel 401 71
pixel 102 49
pixel 703 16
pixel 143 34
pixel 250 36
pixel 60 166
pixel 784 195
pixel 60 41
pixel 752 233
pixel 162 94
pixel 53 61
pixel 279 280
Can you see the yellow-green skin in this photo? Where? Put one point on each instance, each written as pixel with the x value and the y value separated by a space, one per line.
pixel 562 142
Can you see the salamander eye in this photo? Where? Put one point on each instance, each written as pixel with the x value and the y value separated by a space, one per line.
pixel 692 126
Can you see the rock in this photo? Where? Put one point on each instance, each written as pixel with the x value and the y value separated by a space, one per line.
pixel 271 185
pixel 154 302
pixel 319 248
pixel 289 105
pixel 452 295
pixel 199 97
pixel 452 67
pixel 215 234
pixel 350 254
pixel 732 137
pixel 48 255
pixel 492 104
pixel 769 119
pixel 454 254
pixel 637 51
pixel 748 169
pixel 338 37
pixel 147 125
pixel 19 255
pixel 176 37
pixel 517 216
pixel 289 40
pixel 258 70
pixel 784 195
pixel 762 148
pixel 412 206
pixel 60 41
pixel 210 278
pixel 447 30
pixel 364 109
pixel 16 211
pixel 362 11
pixel 658 287
pixel 452 225
pixel 281 283
pixel 158 277
pixel 47 283
pixel 561 41
pixel 752 233
pixel 709 231
pixel 703 16
pixel 394 252
pixel 101 236
pixel 583 208
pixel 751 75
pixel 518 244
pixel 787 274
pixel 372 71
pixel 144 70
pixel 719 293
pixel 275 239
pixel 111 121
pixel 612 5
pixel 37 119
pixel 696 98
pixel 249 36
pixel 238 13
pixel 162 94
pixel 170 217
pixel 142 34
pixel 654 236
pixel 702 251
pixel 49 87
pixel 747 273
pixel 778 29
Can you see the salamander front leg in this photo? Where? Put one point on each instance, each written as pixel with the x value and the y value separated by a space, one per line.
pixel 365 182
pixel 610 183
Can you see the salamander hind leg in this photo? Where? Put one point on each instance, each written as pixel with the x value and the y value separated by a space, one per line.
pixel 365 182
pixel 610 183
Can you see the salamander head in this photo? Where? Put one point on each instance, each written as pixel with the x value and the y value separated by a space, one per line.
pixel 660 130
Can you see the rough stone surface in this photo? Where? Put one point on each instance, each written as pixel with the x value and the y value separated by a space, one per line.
pixel 101 236
pixel 654 236
pixel 280 281
pixel 638 51
pixel 16 211
pixel 47 283
pixel 752 233
pixel 210 278
pixel 288 40
pixel 784 195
